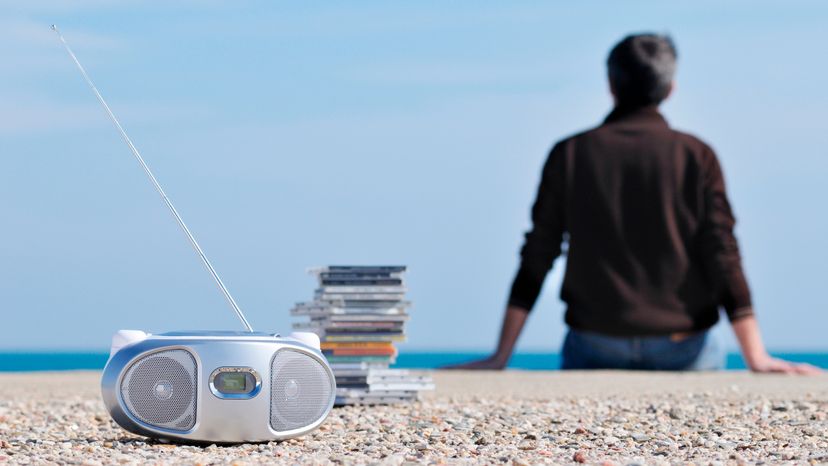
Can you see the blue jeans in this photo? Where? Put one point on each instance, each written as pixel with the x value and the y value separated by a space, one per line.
pixel 586 350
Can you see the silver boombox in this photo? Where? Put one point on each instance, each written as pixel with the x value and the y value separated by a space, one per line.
pixel 222 387
pixel 217 386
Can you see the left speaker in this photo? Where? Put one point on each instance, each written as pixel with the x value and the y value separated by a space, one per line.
pixel 160 389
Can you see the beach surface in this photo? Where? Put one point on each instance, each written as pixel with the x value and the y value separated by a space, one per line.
pixel 511 417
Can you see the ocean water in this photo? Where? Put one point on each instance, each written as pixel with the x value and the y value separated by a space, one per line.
pixel 22 361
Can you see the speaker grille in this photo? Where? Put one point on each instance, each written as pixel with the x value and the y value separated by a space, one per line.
pixel 160 389
pixel 300 390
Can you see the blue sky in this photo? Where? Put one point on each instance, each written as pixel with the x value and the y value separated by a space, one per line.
pixel 294 134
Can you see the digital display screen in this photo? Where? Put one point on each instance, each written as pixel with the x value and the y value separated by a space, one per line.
pixel 234 382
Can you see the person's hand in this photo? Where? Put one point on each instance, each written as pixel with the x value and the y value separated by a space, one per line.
pixel 768 364
pixel 513 320
pixel 492 363
pixel 755 354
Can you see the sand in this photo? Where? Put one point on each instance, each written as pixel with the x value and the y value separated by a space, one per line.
pixel 508 417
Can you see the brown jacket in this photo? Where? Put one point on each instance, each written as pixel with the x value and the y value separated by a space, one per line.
pixel 649 229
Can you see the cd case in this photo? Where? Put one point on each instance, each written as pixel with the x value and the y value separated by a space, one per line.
pixel 359 313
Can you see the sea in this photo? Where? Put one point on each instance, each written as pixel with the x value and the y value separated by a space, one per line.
pixel 33 361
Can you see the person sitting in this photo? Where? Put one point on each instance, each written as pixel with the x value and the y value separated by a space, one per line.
pixel 648 229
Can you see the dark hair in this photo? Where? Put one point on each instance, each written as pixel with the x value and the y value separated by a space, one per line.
pixel 641 68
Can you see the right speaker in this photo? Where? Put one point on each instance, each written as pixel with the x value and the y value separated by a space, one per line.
pixel 300 390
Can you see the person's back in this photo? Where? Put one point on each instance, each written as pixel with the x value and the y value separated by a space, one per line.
pixel 651 253
pixel 636 210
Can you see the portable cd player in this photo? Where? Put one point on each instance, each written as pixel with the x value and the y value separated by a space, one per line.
pixel 217 387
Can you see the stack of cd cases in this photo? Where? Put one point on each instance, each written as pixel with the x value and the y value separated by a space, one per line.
pixel 359 312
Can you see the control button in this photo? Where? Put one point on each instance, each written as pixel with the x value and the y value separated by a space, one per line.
pixel 309 338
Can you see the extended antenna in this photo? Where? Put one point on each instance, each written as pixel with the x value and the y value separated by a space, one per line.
pixel 158 188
